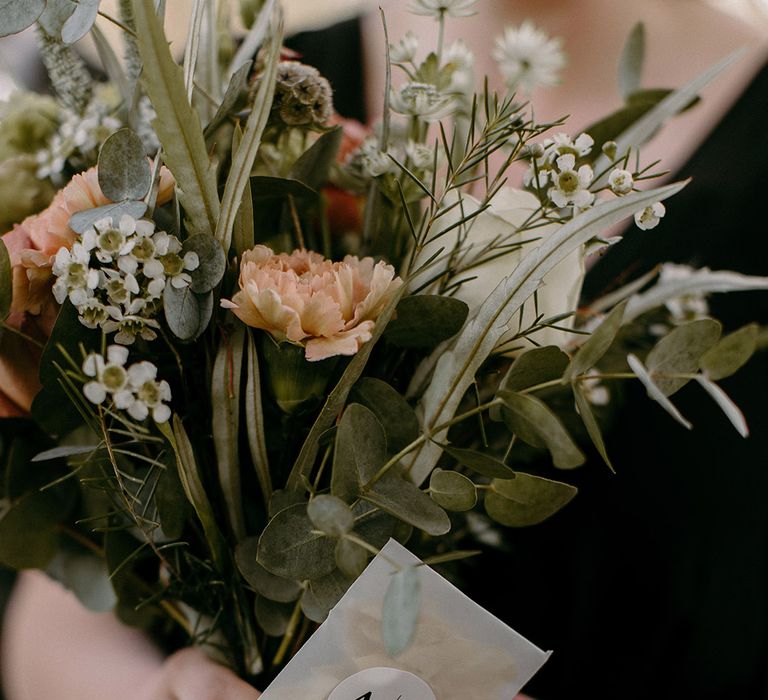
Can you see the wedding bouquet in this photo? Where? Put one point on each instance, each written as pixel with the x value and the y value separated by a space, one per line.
pixel 245 341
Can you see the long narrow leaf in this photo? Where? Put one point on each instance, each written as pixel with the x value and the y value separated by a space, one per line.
pixel 192 48
pixel 254 421
pixel 726 404
pixel 177 125
pixel 455 370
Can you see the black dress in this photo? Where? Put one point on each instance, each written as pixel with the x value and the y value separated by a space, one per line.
pixel 654 582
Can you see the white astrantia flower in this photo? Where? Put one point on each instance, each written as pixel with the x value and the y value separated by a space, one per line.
pixel 571 186
pixel 421 156
pixel 422 100
pixel 443 8
pixel 528 58
pixel 404 51
pixel 621 181
pixel 462 60
pixel 375 162
pixel 76 279
pixel 150 395
pixel 649 217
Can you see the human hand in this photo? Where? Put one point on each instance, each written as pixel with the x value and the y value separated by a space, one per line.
pixel 190 675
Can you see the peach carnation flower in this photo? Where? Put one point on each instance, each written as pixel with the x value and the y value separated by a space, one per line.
pixel 330 308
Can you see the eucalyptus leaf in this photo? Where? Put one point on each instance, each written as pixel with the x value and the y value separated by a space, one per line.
pixel 401 610
pixel 243 233
pixel 452 491
pixel 654 392
pixel 213 262
pixel 679 352
pixel 730 354
pixel 86 575
pixel 361 448
pixel 376 527
pixel 313 166
pixel 351 558
pixel 726 404
pixel 289 546
pixel 64 451
pixel 330 515
pixel 186 313
pixel 597 344
pixel 80 21
pixel 272 617
pixel 16 16
pixel 526 500
pixel 425 320
pixel 535 366
pixel 479 462
pixel 265 187
pixel 124 171
pixel 178 128
pixel 403 499
pixel 323 593
pixel 631 61
pixel 590 423
pixel 56 14
pixel 83 220
pixel 277 588
pixel 401 426
pixel 6 282
pixel 533 422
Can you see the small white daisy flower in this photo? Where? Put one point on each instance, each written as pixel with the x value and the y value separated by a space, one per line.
pixel 76 279
pixel 528 58
pixel 443 8
pixel 621 181
pixel 404 51
pixel 570 186
pixel 649 217
pixel 109 376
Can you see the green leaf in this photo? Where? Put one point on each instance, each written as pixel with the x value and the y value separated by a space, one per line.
pixel 426 320
pixel 213 262
pixel 64 451
pixel 238 86
pixel 654 392
pixel 351 558
pixel 243 158
pixel 124 171
pixel 314 164
pixel 254 420
pixel 401 610
pixel 403 499
pixel 330 515
pixel 86 575
pixel 536 366
pixel 290 547
pixel 187 313
pixel 6 282
pixel 592 351
pixel 277 588
pixel 679 352
pixel 272 617
pixel 534 423
pixel 526 500
pixel 243 233
pixel 395 414
pixel 452 491
pixel 479 462
pixel 16 16
pixel 730 354
pixel 178 125
pixel 323 593
pixel 172 505
pixel 590 423
pixel 361 448
pixel 631 61
pixel 80 21
pixel 726 404
pixel 376 527
pixel 264 187
pixel 83 220
pixel 225 423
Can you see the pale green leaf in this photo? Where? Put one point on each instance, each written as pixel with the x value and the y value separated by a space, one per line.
pixel 479 462
pixel 186 313
pixel 631 61
pixel 395 414
pixel 452 491
pixel 401 610
pixel 593 349
pixel 254 420
pixel 330 515
pixel 277 588
pixel 590 422
pixel 177 125
pixel 726 404
pixel 213 262
pixel 272 617
pixel 313 166
pixel 16 16
pixel 323 593
pixel 86 575
pixel 533 367
pixel 730 354
pixel 238 85
pixel 83 220
pixel 124 171
pixel 425 320
pixel 654 392
pixel 80 21
pixel 526 500
pixel 65 451
pixel 351 558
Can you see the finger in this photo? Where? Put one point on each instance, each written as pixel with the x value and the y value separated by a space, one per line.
pixel 194 676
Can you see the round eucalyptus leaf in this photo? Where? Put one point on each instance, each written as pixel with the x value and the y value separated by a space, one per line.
pixel 277 588
pixel 124 171
pixel 272 617
pixel 83 220
pixel 452 491
pixel 351 558
pixel 401 610
pixel 323 593
pixel 330 515
pixel 186 313
pixel 80 21
pixel 213 262
pixel 16 16
pixel 425 320
pixel 526 499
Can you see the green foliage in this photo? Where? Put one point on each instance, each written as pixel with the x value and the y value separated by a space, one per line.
pixel 452 491
pixel 730 354
pixel 85 574
pixel 526 499
pixel 351 558
pixel 536 366
pixel 172 505
pixel 272 617
pixel 631 61
pixel 238 85
pixel 179 128
pixel 6 282
pixel 679 352
pixel 313 166
pixel 533 422
pixel 69 21
pixel 16 16
pixel 265 188
pixel 254 420
pixel 426 320
pixel 592 351
pixel 323 593
pixel 266 584
pixel 401 610
pixel 479 462
pixel 401 426
pixel 187 313
pixel 124 172
pixel 654 392
pixel 330 515
pixel 83 220
pixel 590 422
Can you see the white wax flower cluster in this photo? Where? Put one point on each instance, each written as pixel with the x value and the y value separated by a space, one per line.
pixel 115 276
pixel 134 389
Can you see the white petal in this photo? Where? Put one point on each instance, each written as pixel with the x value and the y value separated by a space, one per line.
pixel 142 372
pixel 93 364
pixel 161 413
pixel 123 399
pixel 153 269
pixel 127 264
pixel 117 355
pixel 138 410
pixel 127 225
pixel 95 392
pixel 191 261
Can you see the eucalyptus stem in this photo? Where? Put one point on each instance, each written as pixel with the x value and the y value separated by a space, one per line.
pixel 288 636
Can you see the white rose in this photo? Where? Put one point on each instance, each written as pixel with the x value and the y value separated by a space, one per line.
pixel 499 226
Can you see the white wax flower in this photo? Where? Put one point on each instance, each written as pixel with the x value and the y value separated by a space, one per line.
pixel 649 217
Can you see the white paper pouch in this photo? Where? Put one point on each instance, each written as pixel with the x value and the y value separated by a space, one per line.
pixel 458 651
